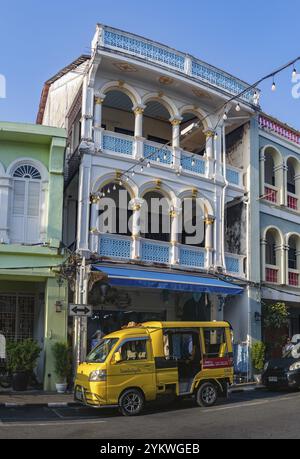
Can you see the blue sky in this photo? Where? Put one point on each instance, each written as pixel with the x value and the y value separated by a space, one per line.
pixel 248 39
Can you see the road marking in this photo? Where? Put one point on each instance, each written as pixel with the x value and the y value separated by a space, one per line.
pixel 259 402
pixel 49 424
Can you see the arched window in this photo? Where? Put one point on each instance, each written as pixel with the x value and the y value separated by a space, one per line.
pixel 273 256
pixel 157 224
pixel 26 208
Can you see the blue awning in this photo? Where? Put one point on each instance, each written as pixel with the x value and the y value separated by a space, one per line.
pixel 132 277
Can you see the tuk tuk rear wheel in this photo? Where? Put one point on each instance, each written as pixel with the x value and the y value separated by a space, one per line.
pixel 131 402
pixel 206 395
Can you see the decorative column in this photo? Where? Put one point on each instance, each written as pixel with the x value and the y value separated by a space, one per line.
pixel 209 239
pixel 98 130
pixel 209 152
pixel 280 181
pixel 218 155
pixel 282 250
pixel 218 233
pixel 297 190
pixel 87 111
pixel 44 210
pixel 176 122
pixel 138 111
pixel 5 191
pixel 263 245
pixel 175 215
pixel 284 198
pixel 262 160
pixel 136 205
pixel 94 233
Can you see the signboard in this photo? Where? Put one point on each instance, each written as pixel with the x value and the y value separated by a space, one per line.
pixel 80 310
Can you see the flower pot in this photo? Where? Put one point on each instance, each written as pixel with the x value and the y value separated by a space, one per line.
pixel 20 381
pixel 61 388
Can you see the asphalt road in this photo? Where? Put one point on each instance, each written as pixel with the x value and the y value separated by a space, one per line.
pixel 256 414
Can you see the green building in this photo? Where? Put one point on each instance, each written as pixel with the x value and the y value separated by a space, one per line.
pixel 33 299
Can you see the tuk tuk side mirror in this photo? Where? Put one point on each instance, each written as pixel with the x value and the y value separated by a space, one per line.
pixel 117 357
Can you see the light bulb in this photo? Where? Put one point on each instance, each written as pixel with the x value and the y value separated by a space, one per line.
pixel 114 188
pixel 294 74
pixel 132 173
pixel 273 86
pixel 127 179
pixel 158 159
pixel 193 162
pixel 142 168
pixel 238 107
pixel 148 164
pixel 108 191
pixel 225 116
pixel 120 183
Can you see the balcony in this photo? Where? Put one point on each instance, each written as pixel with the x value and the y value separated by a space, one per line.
pixel 121 145
pixel 134 46
pixel 272 274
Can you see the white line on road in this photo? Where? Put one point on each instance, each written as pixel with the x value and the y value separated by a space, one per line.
pixel 259 402
pixel 49 424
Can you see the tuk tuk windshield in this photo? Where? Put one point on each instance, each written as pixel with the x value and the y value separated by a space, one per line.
pixel 99 354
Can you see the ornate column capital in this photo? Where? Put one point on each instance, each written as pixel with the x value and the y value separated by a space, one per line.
pixel 209 133
pixel 136 204
pixel 138 109
pixel 99 98
pixel 176 120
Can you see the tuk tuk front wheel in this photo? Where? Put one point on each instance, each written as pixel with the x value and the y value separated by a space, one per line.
pixel 207 394
pixel 131 402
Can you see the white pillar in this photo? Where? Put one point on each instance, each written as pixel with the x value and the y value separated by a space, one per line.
pixel 136 206
pixel 218 155
pixel 87 111
pixel 94 235
pixel 209 153
pixel 138 111
pixel 176 122
pixel 5 194
pixel 98 131
pixel 84 203
pixel 262 160
pixel 209 239
pixel 263 259
pixel 175 229
pixel 280 181
pixel 44 210
pixel 218 262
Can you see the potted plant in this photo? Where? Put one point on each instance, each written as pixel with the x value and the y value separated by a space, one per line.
pixel 62 365
pixel 22 359
pixel 258 353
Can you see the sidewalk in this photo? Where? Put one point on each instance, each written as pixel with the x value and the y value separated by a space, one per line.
pixel 10 399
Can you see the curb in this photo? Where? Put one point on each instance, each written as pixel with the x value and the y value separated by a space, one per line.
pixel 239 390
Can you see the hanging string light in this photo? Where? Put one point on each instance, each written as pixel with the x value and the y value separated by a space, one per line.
pixel 238 107
pixel 193 162
pixel 148 164
pixel 114 187
pixel 273 86
pixel 225 116
pixel 294 74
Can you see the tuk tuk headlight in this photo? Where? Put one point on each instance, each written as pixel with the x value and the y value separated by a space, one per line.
pixel 97 375
pixel 295 366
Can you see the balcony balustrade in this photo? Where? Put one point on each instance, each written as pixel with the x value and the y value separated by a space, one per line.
pixel 150 51
pixel 272 273
pixel 118 247
pixel 294 277
pixel 235 264
pixel 269 124
pixel 271 193
pixel 292 201
pixel 124 145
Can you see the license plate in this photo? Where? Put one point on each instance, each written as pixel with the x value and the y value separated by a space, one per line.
pixel 273 379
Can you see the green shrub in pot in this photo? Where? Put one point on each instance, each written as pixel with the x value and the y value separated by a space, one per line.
pixel 62 365
pixel 22 359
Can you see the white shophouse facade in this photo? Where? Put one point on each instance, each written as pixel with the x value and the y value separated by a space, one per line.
pixel 121 106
